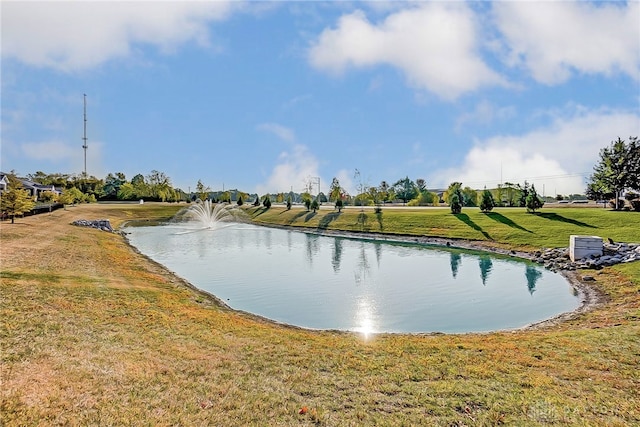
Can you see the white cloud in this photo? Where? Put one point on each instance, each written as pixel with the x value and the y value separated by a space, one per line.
pixel 284 133
pixel 53 151
pixel 554 39
pixel 435 45
pixel 558 157
pixel 61 154
pixel 75 35
pixel 292 171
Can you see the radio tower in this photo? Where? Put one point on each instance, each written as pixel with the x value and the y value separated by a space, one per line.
pixel 84 138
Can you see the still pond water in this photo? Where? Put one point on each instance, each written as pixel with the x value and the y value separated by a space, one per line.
pixel 365 286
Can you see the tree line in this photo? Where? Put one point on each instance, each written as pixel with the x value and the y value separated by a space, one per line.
pixel 616 177
pixel 415 193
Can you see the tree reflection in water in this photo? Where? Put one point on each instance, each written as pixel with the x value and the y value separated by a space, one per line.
pixel 456 260
pixel 532 274
pixel 485 268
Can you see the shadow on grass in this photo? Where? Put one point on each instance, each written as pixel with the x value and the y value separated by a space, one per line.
pixel 296 216
pixel 362 221
pixel 327 219
pixel 260 211
pixel 465 218
pixel 506 221
pixel 309 216
pixel 555 217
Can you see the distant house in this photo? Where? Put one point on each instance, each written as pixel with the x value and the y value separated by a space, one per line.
pixel 34 188
pixel 4 182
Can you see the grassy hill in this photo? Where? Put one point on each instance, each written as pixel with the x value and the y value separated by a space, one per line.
pixel 504 226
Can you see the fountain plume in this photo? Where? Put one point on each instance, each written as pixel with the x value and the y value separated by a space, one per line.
pixel 211 216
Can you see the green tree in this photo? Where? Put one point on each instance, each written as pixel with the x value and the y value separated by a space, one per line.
pixel 48 197
pixel 240 202
pixel 202 191
pixel 112 184
pixel 524 193
pixel 16 200
pixel 225 197
pixel 456 206
pixel 126 192
pixel 140 187
pixel 455 189
pixel 87 185
pixel 72 196
pixel 289 202
pixel 386 194
pixel 266 201
pixel 306 199
pixel 405 189
pixel 533 201
pixel 617 170
pixel 486 203
pixel 339 205
pixel 425 198
pixel 160 187
pixel 470 196
pixel 314 205
pixel 374 194
pixel 56 179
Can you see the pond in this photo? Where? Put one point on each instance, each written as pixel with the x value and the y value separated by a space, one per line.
pixel 322 282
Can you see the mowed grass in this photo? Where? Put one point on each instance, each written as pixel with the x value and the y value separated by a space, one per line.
pixel 503 226
pixel 93 333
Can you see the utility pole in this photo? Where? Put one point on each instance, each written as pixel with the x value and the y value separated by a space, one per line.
pixel 84 138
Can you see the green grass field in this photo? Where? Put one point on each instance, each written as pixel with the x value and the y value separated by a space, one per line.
pixel 93 333
pixel 506 226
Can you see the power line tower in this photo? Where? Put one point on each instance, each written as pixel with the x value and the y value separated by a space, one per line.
pixel 84 138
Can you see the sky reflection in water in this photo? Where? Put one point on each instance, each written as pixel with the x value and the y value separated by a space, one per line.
pixel 337 283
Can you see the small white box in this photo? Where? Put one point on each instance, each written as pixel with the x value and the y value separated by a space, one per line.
pixel 584 246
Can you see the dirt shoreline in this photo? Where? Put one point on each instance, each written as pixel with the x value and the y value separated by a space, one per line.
pixel 590 296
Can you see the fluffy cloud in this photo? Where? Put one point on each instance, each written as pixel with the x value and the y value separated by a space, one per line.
pixel 292 170
pixel 54 151
pixel 80 35
pixel 59 153
pixel 554 39
pixel 559 157
pixel 435 45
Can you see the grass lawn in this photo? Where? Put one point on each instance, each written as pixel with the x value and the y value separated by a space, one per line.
pixel 93 333
pixel 503 226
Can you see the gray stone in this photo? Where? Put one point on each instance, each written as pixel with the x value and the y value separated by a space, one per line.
pixel 98 224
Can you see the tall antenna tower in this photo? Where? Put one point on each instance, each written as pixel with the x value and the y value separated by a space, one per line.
pixel 84 138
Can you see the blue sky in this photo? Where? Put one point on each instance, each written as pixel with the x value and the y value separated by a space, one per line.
pixel 266 96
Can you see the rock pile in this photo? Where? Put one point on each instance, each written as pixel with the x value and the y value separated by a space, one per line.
pixel 100 224
pixel 616 253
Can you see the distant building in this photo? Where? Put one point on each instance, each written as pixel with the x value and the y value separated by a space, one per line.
pixel 35 189
pixel 4 182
